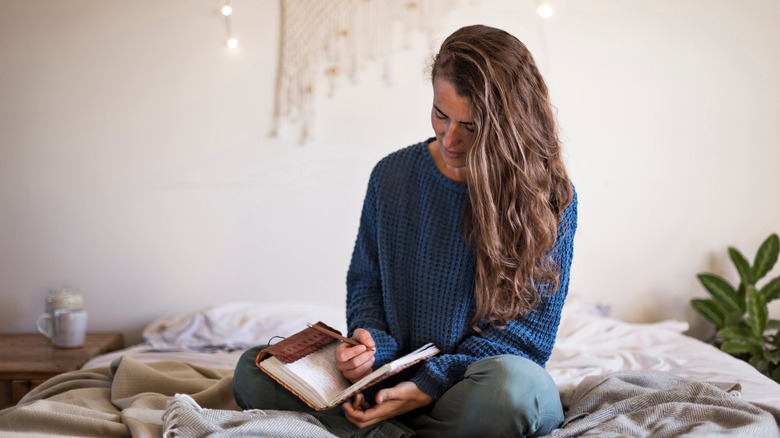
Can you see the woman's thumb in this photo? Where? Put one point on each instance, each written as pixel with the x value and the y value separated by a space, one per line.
pixel 386 394
pixel 364 337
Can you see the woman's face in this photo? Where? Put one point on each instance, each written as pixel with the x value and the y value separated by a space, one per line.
pixel 452 123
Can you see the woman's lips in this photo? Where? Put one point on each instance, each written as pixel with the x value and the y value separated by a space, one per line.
pixel 451 153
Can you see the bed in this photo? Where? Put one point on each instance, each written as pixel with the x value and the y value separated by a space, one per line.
pixel 615 379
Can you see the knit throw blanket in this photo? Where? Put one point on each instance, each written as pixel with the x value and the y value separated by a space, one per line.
pixel 613 405
pixel 663 405
pixel 184 418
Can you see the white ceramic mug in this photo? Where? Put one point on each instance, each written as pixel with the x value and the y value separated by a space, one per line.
pixel 66 328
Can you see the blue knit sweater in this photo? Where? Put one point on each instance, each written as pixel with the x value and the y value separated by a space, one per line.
pixel 411 279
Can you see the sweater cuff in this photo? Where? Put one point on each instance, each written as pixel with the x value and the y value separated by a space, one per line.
pixel 429 386
pixel 386 347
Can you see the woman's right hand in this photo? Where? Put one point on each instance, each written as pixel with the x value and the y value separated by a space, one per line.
pixel 355 362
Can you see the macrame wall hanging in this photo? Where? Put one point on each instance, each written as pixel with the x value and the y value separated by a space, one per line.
pixel 326 42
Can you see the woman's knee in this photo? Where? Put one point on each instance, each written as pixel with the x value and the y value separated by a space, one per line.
pixel 246 379
pixel 512 393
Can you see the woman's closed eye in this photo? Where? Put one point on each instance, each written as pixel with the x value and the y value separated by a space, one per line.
pixel 468 125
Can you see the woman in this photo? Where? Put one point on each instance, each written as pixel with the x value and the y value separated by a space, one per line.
pixel 465 241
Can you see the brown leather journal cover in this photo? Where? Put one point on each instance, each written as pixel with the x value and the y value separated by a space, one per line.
pixel 298 345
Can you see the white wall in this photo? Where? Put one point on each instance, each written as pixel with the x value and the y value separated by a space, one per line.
pixel 135 161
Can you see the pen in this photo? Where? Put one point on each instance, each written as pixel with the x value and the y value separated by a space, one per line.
pixel 336 335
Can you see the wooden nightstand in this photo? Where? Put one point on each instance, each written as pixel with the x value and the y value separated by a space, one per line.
pixel 28 359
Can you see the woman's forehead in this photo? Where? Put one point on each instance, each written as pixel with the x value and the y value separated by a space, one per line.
pixel 447 100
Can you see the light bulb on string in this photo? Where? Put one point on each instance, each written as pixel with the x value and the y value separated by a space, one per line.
pixel 544 10
pixel 227 12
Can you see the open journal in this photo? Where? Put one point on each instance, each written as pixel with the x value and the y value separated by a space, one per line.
pixel 305 364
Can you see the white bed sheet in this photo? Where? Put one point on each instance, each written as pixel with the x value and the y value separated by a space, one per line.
pixel 588 344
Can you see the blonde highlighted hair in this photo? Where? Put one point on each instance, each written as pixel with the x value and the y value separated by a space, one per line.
pixel 518 185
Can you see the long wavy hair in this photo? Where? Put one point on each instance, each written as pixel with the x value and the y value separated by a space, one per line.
pixel 518 185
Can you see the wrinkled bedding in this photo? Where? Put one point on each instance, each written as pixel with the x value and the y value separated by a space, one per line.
pixel 184 418
pixel 615 378
pixel 646 403
pixel 123 400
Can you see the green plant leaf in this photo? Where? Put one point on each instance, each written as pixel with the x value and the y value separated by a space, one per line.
pixel 773 324
pixel 776 375
pixel 743 266
pixel 740 334
pixel 721 290
pixel 736 333
pixel 710 310
pixel 735 320
pixel 771 290
pixel 758 313
pixel 742 297
pixel 766 257
pixel 759 363
pixel 772 356
pixel 732 347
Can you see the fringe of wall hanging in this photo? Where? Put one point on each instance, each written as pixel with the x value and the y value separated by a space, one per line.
pixel 324 42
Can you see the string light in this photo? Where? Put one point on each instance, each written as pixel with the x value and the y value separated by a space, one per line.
pixel 227 12
pixel 544 10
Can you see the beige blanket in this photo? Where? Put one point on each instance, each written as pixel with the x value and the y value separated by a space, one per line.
pixel 129 398
pixel 126 399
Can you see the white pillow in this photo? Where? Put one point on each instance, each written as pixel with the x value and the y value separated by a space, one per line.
pixel 240 325
pixel 576 304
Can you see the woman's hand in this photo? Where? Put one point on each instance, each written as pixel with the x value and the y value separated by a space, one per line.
pixel 390 402
pixel 355 362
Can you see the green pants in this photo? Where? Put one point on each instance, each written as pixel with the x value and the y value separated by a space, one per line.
pixel 498 396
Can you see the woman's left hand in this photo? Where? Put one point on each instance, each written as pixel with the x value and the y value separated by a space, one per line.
pixel 390 402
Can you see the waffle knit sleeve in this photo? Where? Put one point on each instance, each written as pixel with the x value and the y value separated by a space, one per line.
pixel 365 306
pixel 531 337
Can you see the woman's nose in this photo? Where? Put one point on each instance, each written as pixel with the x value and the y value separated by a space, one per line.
pixel 450 137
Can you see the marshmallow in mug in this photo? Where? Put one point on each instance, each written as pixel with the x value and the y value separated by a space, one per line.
pixel 63 298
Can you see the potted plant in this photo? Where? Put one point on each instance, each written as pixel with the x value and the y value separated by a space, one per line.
pixel 741 315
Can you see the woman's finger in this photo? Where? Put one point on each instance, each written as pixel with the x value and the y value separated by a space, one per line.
pixel 358 401
pixel 364 337
pixel 345 352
